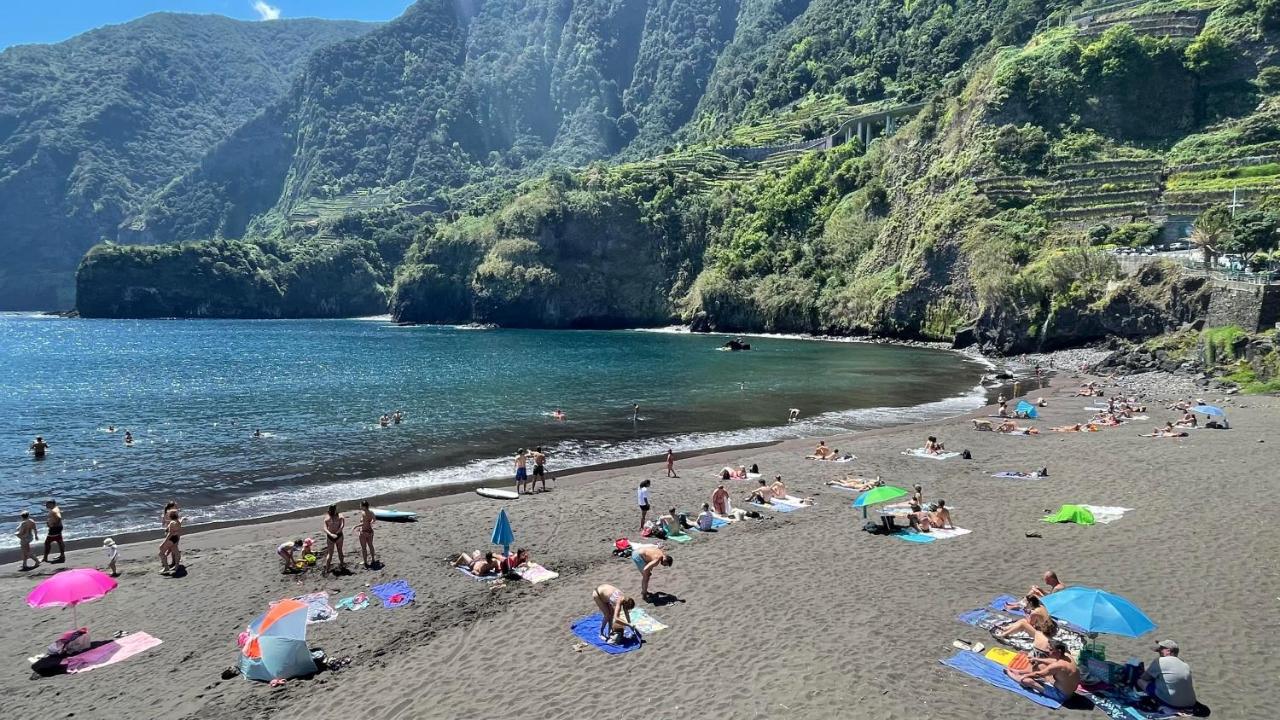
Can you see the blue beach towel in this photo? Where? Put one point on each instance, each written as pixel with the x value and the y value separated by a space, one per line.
pixel 913 536
pixel 716 524
pixel 983 618
pixel 394 594
pixel 780 507
pixel 588 630
pixel 998 604
pixel 976 666
pixel 1015 476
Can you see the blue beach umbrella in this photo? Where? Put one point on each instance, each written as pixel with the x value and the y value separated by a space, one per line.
pixel 1026 409
pixel 502 534
pixel 1098 611
pixel 1209 410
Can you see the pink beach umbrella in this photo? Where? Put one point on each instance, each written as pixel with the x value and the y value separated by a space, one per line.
pixel 70 588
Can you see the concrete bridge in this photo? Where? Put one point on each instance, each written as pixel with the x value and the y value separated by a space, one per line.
pixel 866 127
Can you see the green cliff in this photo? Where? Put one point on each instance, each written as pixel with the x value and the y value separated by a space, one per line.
pixel 92 126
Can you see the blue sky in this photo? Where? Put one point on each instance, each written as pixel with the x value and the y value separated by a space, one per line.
pixel 46 21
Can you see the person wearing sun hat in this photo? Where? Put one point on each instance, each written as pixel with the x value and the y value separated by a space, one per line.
pixel 1168 677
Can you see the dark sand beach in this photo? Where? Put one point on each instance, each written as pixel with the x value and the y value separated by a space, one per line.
pixel 800 615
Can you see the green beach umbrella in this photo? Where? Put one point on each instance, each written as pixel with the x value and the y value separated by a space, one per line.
pixel 877 495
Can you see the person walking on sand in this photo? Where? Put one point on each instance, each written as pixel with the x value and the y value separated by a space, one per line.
pixel 39 448
pixel 642 499
pixel 646 558
pixel 671 464
pixel 522 473
pixel 333 526
pixel 53 531
pixel 169 548
pixel 366 535
pixel 539 470
pixel 113 554
pixel 27 531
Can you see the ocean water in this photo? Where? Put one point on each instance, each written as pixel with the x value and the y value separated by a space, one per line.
pixel 193 392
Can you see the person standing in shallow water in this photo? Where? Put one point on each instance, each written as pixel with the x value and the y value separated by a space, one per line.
pixel 39 448
pixel 53 531
pixel 635 412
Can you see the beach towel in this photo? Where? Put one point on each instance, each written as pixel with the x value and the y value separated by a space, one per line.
pixel 780 507
pixel 998 604
pixel 991 673
pixel 1104 514
pixel 359 601
pixel 948 533
pixel 1000 656
pixel 681 538
pixel 1121 707
pixel 913 536
pixel 1072 514
pixel 394 594
pixel 792 500
pixel 111 653
pixel 482 578
pixel 588 630
pixel 920 453
pixel 645 623
pixel 983 618
pixel 535 573
pixel 1016 476
pixel 318 608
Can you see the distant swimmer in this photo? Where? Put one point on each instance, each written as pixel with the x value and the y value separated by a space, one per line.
pixel 39 448
pixel 794 415
pixel 128 438
pixel 257 433
pixel 111 428
pixel 385 420
pixel 397 416
pixel 558 414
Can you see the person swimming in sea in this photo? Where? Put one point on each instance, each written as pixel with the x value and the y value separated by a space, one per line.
pixel 385 420
pixel 128 438
pixel 397 416
pixel 111 428
pixel 257 433
pixel 558 414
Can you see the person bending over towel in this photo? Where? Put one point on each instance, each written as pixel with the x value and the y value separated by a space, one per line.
pixel 286 552
pixel 1055 677
pixel 615 613
pixel 646 558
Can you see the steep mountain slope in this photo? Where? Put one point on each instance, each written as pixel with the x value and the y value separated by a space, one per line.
pixel 90 126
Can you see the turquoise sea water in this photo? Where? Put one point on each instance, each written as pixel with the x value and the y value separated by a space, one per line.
pixel 193 392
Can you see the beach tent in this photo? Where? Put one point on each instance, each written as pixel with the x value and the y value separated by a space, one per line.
pixel 1025 409
pixel 1071 513
pixel 277 644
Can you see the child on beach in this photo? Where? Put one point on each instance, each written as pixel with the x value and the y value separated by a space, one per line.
pixel 113 554
pixel 286 552
pixel 27 531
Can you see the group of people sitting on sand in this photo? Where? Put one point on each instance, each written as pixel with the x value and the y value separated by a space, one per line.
pixel 822 452
pixel 1009 427
pixel 1089 389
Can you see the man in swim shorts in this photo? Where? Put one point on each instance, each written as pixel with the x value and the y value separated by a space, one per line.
pixel 39 448
pixel 539 470
pixel 646 558
pixel 1055 677
pixel 53 531
pixel 522 475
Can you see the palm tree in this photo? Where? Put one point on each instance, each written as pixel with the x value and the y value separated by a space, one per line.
pixel 1210 229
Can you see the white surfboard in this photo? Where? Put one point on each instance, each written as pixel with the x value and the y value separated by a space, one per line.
pixel 497 494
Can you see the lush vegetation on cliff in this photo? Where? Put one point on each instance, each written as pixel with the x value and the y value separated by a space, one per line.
pixel 91 126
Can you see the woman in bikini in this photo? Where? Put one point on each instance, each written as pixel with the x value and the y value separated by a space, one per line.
pixel 857 483
pixel 615 613
pixel 366 534
pixel 169 548
pixel 479 564
pixel 333 527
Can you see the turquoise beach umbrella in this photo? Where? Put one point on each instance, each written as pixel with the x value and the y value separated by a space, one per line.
pixel 1097 611
pixel 502 534
pixel 1208 410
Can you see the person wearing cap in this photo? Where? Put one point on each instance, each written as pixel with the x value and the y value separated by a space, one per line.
pixel 1055 677
pixel 1168 677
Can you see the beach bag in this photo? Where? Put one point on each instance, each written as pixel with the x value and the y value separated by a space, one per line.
pixel 72 642
pixel 873 527
pixel 622 548
pixel 965 454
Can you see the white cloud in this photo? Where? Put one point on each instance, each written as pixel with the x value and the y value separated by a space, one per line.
pixel 265 11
